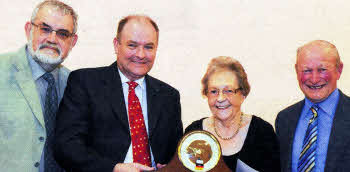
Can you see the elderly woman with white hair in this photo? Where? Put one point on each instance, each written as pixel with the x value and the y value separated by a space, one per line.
pixel 246 140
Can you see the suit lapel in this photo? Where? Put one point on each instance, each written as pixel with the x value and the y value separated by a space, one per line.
pixel 339 137
pixel 24 79
pixel 153 103
pixel 114 94
pixel 292 125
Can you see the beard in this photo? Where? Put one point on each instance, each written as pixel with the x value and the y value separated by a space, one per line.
pixel 46 61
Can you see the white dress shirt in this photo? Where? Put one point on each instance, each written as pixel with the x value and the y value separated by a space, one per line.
pixel 141 94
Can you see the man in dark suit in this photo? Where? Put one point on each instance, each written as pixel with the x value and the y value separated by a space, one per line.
pixel 313 133
pixel 98 124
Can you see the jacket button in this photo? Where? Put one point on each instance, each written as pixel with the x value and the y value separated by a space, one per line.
pixel 37 164
pixel 41 139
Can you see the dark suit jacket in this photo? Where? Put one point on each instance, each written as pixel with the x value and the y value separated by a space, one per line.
pixel 338 153
pixel 92 132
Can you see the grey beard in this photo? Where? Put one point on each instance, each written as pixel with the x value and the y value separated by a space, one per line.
pixel 47 62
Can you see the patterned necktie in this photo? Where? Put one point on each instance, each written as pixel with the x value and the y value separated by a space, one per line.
pixel 50 110
pixel 308 154
pixel 139 138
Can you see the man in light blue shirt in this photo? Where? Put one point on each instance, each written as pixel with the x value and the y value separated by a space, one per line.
pixel 318 69
pixel 31 87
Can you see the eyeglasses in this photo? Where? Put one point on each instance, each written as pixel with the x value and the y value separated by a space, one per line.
pixel 47 30
pixel 226 91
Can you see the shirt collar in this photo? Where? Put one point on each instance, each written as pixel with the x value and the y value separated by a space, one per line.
pixel 124 79
pixel 37 70
pixel 329 105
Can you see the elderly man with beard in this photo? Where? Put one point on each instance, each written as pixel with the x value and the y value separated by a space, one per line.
pixel 31 87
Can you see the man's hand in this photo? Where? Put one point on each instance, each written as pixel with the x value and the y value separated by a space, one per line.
pixel 159 166
pixel 131 167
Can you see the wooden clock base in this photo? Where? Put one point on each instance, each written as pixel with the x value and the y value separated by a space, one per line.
pixel 175 165
pixel 201 146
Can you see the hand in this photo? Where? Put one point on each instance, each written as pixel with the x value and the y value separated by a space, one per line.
pixel 131 167
pixel 159 166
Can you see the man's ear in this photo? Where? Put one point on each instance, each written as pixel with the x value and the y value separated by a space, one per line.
pixel 74 40
pixel 115 43
pixel 340 69
pixel 27 29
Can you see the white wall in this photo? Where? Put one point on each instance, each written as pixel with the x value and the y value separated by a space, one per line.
pixel 263 35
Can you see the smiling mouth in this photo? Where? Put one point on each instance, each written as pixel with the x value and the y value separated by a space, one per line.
pixel 138 62
pixel 315 87
pixel 222 107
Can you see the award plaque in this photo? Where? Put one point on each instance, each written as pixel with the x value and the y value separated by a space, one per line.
pixel 197 151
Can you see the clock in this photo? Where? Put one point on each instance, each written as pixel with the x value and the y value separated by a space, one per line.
pixel 199 151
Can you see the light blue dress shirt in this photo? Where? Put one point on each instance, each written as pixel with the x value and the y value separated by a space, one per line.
pixel 325 119
pixel 41 86
pixel 140 92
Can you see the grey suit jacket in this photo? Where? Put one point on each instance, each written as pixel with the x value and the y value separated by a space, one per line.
pixel 338 153
pixel 22 126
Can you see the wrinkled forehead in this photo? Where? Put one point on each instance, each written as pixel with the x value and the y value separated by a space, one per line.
pixel 140 27
pixel 55 17
pixel 314 54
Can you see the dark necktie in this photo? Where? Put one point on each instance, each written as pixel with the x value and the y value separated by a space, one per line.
pixel 139 138
pixel 51 106
pixel 307 156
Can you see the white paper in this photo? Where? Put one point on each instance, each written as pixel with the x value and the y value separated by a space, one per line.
pixel 243 167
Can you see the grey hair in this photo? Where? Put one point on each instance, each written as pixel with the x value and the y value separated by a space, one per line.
pixel 60 6
pixel 227 63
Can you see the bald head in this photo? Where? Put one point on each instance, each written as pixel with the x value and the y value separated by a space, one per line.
pixel 139 18
pixel 318 69
pixel 321 46
pixel 136 46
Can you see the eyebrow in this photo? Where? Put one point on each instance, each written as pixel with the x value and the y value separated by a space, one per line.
pixel 43 23
pixel 150 44
pixel 64 30
pixel 134 42
pixel 130 41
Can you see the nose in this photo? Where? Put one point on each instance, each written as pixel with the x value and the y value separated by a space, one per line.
pixel 140 52
pixel 221 97
pixel 52 37
pixel 315 78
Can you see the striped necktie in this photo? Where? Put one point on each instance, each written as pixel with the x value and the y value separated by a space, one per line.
pixel 307 156
pixel 51 106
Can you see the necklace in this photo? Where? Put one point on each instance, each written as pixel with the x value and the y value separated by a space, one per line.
pixel 234 134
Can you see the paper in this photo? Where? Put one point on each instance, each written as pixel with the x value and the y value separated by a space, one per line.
pixel 243 167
